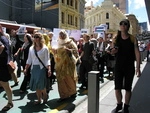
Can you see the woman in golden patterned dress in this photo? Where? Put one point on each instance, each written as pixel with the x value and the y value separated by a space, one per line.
pixel 65 58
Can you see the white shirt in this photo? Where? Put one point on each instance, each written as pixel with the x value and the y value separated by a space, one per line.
pixel 101 48
pixel 141 47
pixel 43 54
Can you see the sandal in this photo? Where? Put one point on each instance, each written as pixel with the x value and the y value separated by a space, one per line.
pixel 37 102
pixel 7 107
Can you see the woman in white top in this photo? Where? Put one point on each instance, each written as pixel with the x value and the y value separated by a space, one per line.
pixel 38 71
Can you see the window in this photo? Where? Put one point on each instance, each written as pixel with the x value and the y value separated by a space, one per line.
pixel 71 18
pixel 71 2
pixel 107 25
pixel 76 21
pixel 68 2
pixel 107 15
pixel 62 17
pixel 76 4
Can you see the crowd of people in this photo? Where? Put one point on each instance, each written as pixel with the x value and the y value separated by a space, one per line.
pixel 71 60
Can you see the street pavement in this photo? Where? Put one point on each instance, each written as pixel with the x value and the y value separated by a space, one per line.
pixel 140 100
pixel 23 103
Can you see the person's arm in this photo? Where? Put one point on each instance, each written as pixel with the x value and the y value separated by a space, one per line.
pixel 1 47
pixel 47 62
pixel 138 58
pixel 28 62
pixel 17 52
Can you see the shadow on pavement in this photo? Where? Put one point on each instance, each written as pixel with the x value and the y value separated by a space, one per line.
pixel 30 108
pixel 64 105
pixel 140 100
pixel 17 93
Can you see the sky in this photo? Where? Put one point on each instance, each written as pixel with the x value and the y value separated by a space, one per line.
pixel 136 7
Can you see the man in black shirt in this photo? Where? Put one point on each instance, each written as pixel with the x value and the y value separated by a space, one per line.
pixel 86 66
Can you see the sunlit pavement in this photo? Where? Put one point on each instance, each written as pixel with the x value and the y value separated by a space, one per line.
pixel 24 103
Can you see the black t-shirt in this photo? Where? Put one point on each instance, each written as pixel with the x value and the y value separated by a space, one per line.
pixel 125 55
pixel 87 49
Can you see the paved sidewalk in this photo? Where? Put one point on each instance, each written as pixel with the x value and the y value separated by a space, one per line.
pixel 23 103
pixel 140 98
pixel 139 102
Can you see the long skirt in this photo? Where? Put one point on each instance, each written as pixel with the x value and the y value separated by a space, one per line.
pixel 38 78
pixel 66 86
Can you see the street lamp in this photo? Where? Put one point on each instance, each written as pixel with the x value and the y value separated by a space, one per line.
pixel 41 12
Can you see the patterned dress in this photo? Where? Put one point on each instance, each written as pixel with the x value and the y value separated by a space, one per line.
pixel 66 69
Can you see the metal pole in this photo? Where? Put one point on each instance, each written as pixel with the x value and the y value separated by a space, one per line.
pixel 41 12
pixel 93 92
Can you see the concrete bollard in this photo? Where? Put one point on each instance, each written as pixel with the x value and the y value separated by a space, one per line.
pixel 93 92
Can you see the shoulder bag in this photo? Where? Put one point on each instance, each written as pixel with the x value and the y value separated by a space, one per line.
pixel 41 62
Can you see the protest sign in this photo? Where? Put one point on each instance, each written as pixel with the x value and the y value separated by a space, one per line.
pixel 84 31
pixel 21 30
pixel 76 34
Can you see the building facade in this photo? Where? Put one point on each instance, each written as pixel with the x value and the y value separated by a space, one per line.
pixel 107 13
pixel 68 14
pixel 122 5
pixel 143 26
pixel 71 14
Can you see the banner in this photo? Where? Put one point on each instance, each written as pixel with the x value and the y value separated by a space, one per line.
pixel 76 34
pixel 99 29
pixel 84 31
pixel 56 33
pixel 21 30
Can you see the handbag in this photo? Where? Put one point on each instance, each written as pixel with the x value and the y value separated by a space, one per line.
pixel 41 62
pixel 11 67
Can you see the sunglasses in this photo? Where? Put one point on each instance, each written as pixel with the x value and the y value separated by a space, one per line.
pixel 36 37
pixel 124 23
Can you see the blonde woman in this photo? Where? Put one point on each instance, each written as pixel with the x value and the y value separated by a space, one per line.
pixel 38 71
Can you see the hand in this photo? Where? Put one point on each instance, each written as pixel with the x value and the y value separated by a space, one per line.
pixel 54 51
pixel 138 72
pixel 49 73
pixel 15 54
pixel 69 50
pixel 114 50
pixel 94 52
pixel 25 72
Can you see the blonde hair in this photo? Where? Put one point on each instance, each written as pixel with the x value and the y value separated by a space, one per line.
pixel 41 38
pixel 47 41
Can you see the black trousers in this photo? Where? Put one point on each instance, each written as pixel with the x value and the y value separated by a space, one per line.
pixel 52 78
pixel 85 67
pixel 100 66
pixel 26 80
